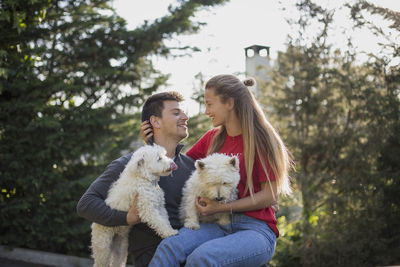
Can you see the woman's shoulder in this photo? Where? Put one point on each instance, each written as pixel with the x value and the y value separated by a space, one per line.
pixel 211 132
pixel 209 135
pixel 199 149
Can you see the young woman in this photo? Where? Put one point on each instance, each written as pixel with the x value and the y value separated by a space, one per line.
pixel 243 131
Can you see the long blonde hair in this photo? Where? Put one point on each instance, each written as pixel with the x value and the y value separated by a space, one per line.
pixel 259 136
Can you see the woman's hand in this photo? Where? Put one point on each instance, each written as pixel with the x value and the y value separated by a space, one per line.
pixel 275 205
pixel 208 207
pixel 146 131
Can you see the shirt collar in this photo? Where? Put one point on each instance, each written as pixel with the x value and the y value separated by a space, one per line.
pixel 178 149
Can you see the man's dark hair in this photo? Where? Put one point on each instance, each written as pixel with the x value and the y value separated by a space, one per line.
pixel 154 105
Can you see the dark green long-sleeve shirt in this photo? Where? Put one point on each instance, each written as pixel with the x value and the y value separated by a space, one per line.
pixel 92 204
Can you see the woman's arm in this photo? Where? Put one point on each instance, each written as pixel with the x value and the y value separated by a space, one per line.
pixel 262 199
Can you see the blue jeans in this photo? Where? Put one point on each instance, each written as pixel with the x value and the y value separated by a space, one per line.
pixel 244 242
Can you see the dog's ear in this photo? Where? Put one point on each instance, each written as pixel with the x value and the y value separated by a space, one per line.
pixel 232 161
pixel 140 163
pixel 200 165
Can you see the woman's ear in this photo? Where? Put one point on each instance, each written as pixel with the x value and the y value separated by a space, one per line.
pixel 154 122
pixel 231 103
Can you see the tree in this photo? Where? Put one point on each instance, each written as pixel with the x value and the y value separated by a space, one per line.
pixel 65 110
pixel 339 118
pixel 200 123
pixel 198 88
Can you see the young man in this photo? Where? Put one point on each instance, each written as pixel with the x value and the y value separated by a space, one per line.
pixel 169 126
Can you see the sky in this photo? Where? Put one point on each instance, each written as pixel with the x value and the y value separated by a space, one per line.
pixel 230 28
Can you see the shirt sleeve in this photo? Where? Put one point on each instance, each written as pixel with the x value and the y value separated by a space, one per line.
pixel 199 149
pixel 92 205
pixel 260 173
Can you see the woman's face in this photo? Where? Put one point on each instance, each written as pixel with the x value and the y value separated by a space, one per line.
pixel 215 109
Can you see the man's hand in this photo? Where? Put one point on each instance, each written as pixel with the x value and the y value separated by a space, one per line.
pixel 132 217
pixel 146 131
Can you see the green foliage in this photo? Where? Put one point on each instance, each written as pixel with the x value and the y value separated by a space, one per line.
pixel 341 121
pixel 65 110
pixel 198 125
pixel 287 251
pixel 198 91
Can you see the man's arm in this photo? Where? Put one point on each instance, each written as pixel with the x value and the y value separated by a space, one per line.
pixel 92 205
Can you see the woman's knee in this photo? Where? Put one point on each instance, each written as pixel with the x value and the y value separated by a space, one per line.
pixel 202 256
pixel 168 244
pixel 212 254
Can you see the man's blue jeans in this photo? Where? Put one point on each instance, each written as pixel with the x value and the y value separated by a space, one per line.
pixel 244 242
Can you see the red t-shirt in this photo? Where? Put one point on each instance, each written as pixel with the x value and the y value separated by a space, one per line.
pixel 233 145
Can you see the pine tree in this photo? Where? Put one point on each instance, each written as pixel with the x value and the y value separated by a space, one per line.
pixel 72 77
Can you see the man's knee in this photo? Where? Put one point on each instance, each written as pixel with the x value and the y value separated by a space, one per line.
pixel 143 260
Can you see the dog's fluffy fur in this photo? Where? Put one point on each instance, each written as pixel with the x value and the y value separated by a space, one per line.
pixel 140 176
pixel 216 177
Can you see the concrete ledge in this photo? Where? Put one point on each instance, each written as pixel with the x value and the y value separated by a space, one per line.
pixel 45 258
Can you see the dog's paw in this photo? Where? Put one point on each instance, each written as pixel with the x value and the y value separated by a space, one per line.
pixel 224 220
pixel 169 233
pixel 192 225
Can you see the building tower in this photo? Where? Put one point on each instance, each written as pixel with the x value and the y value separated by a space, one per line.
pixel 258 65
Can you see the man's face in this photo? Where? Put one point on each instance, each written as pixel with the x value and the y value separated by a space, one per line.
pixel 173 122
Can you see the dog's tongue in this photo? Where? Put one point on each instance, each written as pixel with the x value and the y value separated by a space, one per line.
pixel 174 167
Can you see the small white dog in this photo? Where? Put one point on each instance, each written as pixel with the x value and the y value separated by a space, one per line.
pixel 140 176
pixel 216 177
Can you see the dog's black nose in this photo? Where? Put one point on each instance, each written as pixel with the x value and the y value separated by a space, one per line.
pixel 219 198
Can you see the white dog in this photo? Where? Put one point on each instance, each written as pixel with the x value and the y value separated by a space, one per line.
pixel 140 176
pixel 216 177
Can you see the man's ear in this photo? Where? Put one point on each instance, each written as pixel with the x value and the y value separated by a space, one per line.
pixel 154 122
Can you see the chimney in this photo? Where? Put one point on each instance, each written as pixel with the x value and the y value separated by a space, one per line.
pixel 257 65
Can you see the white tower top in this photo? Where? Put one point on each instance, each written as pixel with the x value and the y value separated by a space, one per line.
pixel 257 64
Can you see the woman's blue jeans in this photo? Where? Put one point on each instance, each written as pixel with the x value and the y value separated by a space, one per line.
pixel 245 242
